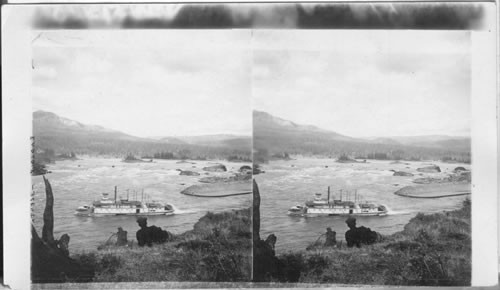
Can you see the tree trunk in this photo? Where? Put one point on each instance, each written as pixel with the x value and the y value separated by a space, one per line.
pixel 256 212
pixel 49 263
pixel 48 216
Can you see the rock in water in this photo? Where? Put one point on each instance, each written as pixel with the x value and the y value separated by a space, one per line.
pixel 430 169
pixel 246 169
pixel 216 168
pixel 459 169
pixel 189 173
pixel 402 173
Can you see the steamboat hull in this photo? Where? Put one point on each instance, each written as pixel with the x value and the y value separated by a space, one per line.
pixel 329 212
pixel 111 207
pixel 338 207
pixel 114 213
pixel 316 212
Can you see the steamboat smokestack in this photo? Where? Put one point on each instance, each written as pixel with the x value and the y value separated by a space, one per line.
pixel 115 193
pixel 328 194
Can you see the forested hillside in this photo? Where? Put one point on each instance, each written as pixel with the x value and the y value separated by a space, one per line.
pixel 273 135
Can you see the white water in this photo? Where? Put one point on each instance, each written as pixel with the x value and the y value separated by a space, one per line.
pixel 79 182
pixel 287 183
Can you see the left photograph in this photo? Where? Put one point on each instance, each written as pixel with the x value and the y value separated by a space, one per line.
pixel 141 156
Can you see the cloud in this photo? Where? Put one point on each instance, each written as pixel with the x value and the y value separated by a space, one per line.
pixel 261 72
pixel 155 88
pixel 88 63
pixel 367 92
pixel 41 73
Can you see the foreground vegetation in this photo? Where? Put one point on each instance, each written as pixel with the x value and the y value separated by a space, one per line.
pixel 432 250
pixel 217 249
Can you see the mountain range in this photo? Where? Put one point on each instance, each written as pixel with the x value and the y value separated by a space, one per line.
pixel 277 135
pixel 270 133
pixel 63 135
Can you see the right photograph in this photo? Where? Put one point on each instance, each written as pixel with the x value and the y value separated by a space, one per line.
pixel 362 157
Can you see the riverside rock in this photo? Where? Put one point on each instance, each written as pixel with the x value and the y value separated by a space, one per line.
pixel 257 169
pixel 356 236
pixel 265 262
pixel 428 180
pixel 216 168
pixel 429 169
pixel 147 236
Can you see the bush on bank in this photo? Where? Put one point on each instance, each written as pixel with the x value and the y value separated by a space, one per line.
pixel 217 249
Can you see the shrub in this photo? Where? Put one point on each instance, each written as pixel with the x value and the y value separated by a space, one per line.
pixel 432 250
pixel 317 263
pixel 291 266
pixel 108 264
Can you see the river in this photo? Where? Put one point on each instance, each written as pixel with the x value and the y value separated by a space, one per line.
pixel 287 183
pixel 79 182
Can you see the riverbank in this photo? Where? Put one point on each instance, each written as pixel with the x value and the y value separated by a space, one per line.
pixel 218 249
pixel 432 250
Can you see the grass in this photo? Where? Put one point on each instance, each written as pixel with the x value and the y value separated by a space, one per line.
pixel 217 249
pixel 432 250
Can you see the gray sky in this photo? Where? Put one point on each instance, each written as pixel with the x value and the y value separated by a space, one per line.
pixel 366 83
pixel 189 82
pixel 146 83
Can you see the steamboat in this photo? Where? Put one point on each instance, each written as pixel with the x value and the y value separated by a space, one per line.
pixel 107 206
pixel 326 206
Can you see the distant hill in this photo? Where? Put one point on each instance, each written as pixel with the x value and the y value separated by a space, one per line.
pixel 171 140
pixel 49 124
pixel 432 141
pixel 274 135
pixel 271 136
pixel 64 135
pixel 267 123
pixel 215 140
pixel 218 140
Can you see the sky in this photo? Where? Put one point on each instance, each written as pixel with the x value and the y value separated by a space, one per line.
pixel 360 83
pixel 146 83
pixel 366 83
